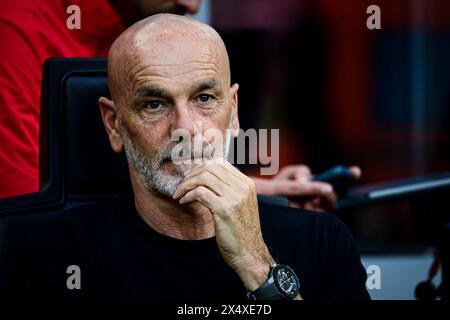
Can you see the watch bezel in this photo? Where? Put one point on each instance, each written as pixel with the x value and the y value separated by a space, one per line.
pixel 274 274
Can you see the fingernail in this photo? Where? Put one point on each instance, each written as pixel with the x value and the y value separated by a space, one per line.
pixel 327 189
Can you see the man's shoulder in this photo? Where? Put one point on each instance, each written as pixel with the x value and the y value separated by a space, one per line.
pixel 65 223
pixel 36 250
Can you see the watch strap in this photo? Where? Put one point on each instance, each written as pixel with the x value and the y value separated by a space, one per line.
pixel 267 291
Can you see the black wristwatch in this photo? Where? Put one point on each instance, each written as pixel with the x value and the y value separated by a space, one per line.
pixel 282 284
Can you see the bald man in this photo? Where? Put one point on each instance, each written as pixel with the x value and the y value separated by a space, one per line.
pixel 194 229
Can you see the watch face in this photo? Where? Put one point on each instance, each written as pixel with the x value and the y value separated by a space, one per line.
pixel 286 280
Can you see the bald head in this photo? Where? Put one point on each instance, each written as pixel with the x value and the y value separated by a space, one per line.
pixel 164 40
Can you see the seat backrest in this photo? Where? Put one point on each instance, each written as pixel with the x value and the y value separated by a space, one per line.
pixel 92 168
pixel 76 161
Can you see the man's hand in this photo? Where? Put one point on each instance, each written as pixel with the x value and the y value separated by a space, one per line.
pixel 295 182
pixel 231 198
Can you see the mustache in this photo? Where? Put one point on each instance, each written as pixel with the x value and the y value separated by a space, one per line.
pixel 181 152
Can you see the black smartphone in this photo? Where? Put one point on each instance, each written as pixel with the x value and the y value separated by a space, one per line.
pixel 340 177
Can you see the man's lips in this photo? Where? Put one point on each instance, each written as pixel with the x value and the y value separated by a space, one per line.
pixel 180 159
pixel 193 156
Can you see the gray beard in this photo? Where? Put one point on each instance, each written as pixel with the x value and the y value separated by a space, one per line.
pixel 151 172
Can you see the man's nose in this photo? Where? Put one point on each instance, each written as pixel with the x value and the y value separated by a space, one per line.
pixel 184 119
pixel 190 6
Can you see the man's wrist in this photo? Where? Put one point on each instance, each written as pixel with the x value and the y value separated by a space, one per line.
pixel 254 274
pixel 281 284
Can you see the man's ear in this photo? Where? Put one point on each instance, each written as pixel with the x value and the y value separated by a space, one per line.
pixel 111 122
pixel 234 104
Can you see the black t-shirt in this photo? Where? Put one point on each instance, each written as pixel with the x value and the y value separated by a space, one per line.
pixel 120 257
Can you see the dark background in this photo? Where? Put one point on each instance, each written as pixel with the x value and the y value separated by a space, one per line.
pixel 343 94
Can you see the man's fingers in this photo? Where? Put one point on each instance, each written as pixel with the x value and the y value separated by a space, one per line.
pixel 295 188
pixel 315 204
pixel 224 170
pixel 203 195
pixel 356 172
pixel 295 172
pixel 202 178
pixel 327 200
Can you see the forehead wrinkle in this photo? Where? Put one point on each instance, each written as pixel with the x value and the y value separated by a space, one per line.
pixel 153 56
pixel 174 70
pixel 152 74
pixel 175 73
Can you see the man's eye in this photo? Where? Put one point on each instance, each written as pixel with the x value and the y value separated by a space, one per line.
pixel 204 98
pixel 153 104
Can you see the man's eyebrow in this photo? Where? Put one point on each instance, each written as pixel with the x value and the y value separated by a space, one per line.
pixel 206 85
pixel 151 91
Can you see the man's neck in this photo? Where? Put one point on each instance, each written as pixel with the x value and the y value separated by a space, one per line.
pixel 168 217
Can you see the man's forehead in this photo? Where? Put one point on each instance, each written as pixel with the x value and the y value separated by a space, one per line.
pixel 167 47
pixel 175 52
pixel 176 62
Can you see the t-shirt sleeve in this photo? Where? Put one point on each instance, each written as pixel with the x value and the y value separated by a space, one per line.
pixel 20 80
pixel 343 276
